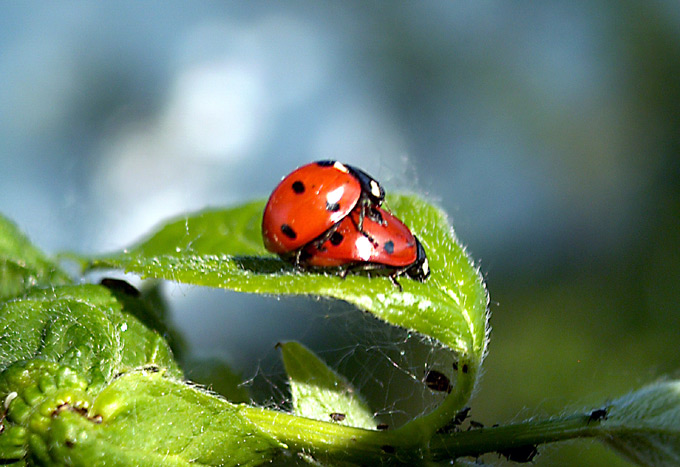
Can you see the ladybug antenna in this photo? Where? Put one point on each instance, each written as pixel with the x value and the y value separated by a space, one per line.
pixel 386 206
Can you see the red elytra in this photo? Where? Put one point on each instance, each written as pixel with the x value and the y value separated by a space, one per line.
pixel 385 246
pixel 311 200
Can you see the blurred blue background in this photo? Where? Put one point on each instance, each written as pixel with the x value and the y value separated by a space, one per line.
pixel 548 131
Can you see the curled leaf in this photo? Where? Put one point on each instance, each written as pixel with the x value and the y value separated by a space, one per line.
pixel 223 248
pixel 644 426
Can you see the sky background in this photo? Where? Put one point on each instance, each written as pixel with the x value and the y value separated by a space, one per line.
pixel 547 131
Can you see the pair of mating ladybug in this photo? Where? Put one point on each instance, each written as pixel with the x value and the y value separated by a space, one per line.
pixel 327 215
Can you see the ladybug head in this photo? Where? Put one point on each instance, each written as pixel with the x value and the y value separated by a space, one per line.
pixel 371 189
pixel 420 269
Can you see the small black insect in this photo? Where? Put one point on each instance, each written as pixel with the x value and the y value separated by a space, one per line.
pixel 597 415
pixel 476 424
pixel 454 424
pixel 461 416
pixel 337 417
pixel 520 454
pixel 437 381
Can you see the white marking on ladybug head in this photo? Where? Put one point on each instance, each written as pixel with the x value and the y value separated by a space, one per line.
pixel 341 167
pixel 375 189
pixel 364 247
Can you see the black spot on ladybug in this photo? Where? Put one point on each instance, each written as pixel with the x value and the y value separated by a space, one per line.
pixel 336 239
pixel 597 415
pixel 288 231
pixel 437 381
pixel 389 247
pixel 337 417
pixel 332 207
pixel 298 187
pixel 520 453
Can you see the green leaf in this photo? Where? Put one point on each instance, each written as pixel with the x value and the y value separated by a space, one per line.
pixel 147 414
pixel 84 382
pixel 219 377
pixel 223 248
pixel 149 307
pixel 644 426
pixel 22 266
pixel 321 393
pixel 83 327
pixel 141 418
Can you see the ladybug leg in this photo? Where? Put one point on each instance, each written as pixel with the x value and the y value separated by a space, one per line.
pixel 396 283
pixel 360 224
pixel 367 210
pixel 375 215
pixel 296 261
pixel 364 233
pixel 319 241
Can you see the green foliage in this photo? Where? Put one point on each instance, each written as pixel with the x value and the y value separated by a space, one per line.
pixel 87 376
pixel 320 393
pixel 223 248
pixel 22 265
pixel 644 426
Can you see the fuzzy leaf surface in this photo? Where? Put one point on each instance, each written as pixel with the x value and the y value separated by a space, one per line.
pixel 83 327
pixel 223 248
pixel 321 393
pixel 644 426
pixel 22 265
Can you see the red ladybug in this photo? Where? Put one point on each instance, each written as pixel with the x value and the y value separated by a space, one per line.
pixel 311 200
pixel 385 246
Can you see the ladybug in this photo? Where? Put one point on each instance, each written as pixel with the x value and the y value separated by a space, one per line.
pixel 385 246
pixel 311 200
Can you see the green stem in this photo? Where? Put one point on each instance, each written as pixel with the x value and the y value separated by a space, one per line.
pixel 325 440
pixel 500 438
pixel 421 429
